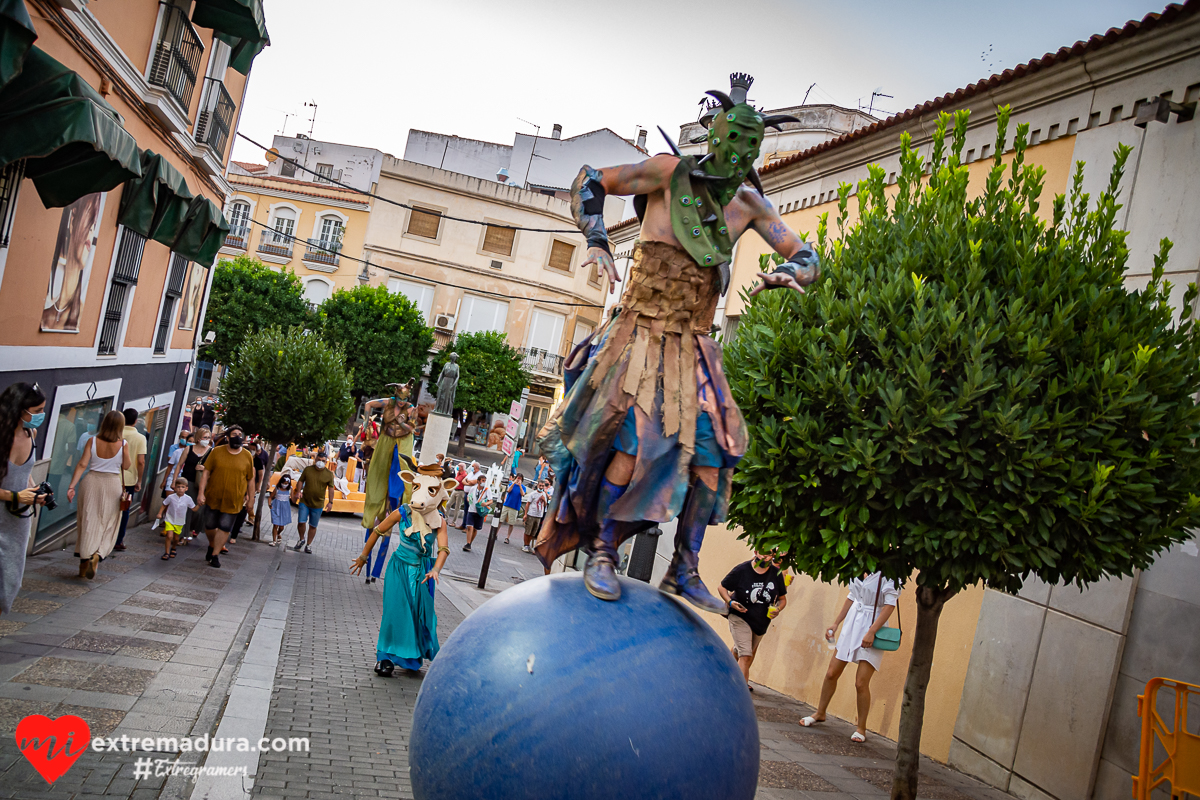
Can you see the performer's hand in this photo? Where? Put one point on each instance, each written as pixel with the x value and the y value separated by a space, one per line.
pixel 601 258
pixel 431 575
pixel 736 606
pixel 776 280
pixel 357 565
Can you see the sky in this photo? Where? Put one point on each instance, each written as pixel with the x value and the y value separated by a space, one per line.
pixel 486 69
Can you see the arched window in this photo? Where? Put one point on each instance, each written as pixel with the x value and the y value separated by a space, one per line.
pixel 316 292
pixel 330 232
pixel 239 217
pixel 285 222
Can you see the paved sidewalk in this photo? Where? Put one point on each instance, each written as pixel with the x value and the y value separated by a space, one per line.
pixel 282 644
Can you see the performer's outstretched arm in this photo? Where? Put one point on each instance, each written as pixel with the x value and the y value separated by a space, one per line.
pixel 590 188
pixel 802 267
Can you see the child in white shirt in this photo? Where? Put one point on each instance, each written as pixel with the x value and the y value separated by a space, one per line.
pixel 176 506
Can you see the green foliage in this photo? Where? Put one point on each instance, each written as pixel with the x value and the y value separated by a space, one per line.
pixel 383 335
pixel 970 393
pixel 490 372
pixel 288 386
pixel 247 296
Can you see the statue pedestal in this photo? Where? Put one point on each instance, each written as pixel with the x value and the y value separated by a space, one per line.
pixel 438 428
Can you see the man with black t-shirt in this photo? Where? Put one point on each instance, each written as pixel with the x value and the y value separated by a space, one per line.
pixel 756 593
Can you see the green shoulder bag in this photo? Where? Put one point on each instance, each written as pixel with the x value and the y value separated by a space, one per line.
pixel 886 638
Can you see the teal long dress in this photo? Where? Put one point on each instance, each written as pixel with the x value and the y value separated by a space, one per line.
pixel 408 632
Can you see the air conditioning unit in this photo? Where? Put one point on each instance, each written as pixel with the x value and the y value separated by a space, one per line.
pixel 443 322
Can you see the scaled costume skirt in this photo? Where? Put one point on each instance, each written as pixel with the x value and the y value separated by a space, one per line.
pixel 99 508
pixel 408 632
pixel 650 383
pixel 383 478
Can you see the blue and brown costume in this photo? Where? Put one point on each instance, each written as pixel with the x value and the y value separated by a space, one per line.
pixel 408 631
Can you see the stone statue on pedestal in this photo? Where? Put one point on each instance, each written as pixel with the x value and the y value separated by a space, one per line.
pixel 446 385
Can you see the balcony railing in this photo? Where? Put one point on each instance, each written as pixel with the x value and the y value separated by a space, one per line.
pixel 274 243
pixel 212 126
pixel 321 251
pixel 238 237
pixel 537 360
pixel 177 57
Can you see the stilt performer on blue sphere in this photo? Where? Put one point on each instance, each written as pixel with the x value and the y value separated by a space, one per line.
pixel 648 430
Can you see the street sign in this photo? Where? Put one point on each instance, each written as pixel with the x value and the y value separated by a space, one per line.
pixel 515 411
pixel 508 445
pixel 511 428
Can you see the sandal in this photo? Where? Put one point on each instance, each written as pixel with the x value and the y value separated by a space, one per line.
pixel 224 550
pixel 166 556
pixel 506 541
pixel 172 552
pixel 857 737
pixel 808 722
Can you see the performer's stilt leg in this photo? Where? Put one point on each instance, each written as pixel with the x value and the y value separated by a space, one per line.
pixel 683 577
pixel 600 573
pixel 380 557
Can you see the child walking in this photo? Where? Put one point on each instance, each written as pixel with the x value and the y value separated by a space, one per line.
pixel 176 507
pixel 281 508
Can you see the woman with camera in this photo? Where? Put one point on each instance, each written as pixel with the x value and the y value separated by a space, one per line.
pixel 100 493
pixel 22 411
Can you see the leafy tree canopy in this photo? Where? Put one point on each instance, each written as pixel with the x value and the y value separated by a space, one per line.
pixel 248 296
pixel 490 372
pixel 288 386
pixel 383 335
pixel 971 393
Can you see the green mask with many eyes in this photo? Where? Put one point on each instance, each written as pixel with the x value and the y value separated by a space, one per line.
pixel 733 142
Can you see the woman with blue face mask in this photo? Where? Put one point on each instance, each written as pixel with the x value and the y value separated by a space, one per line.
pixel 22 412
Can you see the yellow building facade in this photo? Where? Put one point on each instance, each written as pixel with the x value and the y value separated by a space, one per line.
pixel 313 228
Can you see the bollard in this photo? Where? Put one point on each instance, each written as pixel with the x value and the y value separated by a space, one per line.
pixel 487 555
pixel 641 560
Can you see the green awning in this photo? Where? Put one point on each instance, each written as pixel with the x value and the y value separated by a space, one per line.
pixel 238 23
pixel 16 37
pixel 156 204
pixel 203 232
pixel 73 142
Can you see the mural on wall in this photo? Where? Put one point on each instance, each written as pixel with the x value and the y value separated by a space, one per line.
pixel 78 232
pixel 192 297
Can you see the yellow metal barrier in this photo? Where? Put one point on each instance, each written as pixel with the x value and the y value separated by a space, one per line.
pixel 1182 765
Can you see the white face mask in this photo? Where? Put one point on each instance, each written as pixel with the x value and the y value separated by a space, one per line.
pixel 204 442
pixel 320 465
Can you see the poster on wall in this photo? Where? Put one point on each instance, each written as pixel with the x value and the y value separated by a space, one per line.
pixel 192 296
pixel 78 232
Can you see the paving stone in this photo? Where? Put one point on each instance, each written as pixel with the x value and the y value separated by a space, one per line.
pixel 788 775
pixel 53 588
pixel 142 600
pixel 190 609
pixel 118 680
pixel 101 721
pixel 61 672
pixel 926 787
pixel 830 743
pixel 8 626
pixel 96 642
pixel 148 649
pixel 30 605
pixel 124 619
pixel 13 711
pixel 174 627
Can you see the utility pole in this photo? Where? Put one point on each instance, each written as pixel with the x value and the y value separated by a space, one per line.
pixel 532 150
pixel 874 94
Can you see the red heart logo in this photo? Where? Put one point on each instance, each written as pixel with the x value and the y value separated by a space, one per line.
pixel 47 743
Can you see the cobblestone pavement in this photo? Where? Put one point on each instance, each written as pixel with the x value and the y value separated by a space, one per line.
pixel 282 644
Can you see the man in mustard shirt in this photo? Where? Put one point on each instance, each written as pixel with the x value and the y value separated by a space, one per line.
pixel 226 487
pixel 132 477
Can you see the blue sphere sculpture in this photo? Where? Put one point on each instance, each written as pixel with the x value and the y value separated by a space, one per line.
pixel 546 691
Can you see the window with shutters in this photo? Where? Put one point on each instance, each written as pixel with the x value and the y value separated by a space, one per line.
pixel 499 241
pixel 561 254
pixel 594 274
pixel 125 277
pixel 175 281
pixel 424 222
pixel 421 294
pixel 481 314
pixel 10 182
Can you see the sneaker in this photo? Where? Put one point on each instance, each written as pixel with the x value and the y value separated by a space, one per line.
pixel 208 556
pixel 298 545
pixel 216 562
pixel 308 550
pixel 525 549
pixel 467 547
pixel 273 543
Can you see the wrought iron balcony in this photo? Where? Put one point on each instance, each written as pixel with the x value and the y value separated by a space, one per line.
pixel 274 243
pixel 216 118
pixel 237 237
pixel 177 57
pixel 537 360
pixel 321 251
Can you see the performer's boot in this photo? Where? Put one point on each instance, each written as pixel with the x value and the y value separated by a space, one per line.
pixel 600 573
pixel 683 577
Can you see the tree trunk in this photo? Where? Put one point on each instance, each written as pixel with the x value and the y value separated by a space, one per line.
pixel 266 482
pixel 912 711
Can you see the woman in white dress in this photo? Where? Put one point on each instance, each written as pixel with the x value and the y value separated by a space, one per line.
pixel 862 620
pixel 100 493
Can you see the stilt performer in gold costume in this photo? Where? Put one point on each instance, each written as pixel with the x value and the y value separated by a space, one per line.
pixel 648 430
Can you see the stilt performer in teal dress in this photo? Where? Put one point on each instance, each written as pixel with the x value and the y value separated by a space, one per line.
pixel 408 631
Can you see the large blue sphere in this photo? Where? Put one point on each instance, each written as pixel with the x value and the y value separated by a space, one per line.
pixel 547 692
